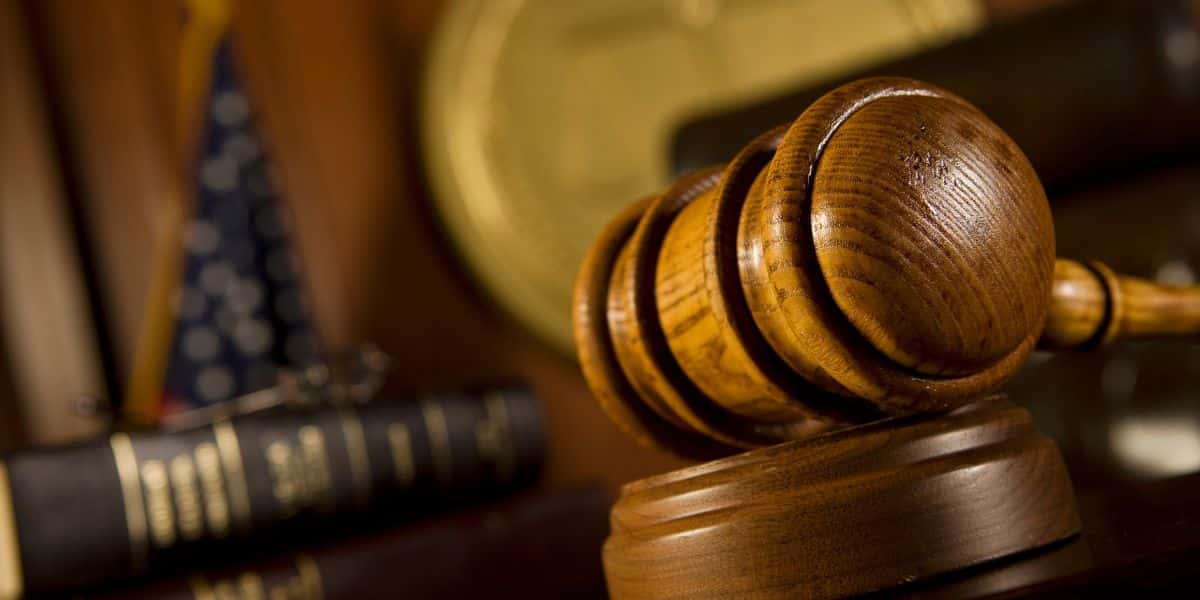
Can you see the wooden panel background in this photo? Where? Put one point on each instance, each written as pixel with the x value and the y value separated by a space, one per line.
pixel 108 73
pixel 48 350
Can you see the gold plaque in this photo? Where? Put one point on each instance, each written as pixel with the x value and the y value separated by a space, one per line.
pixel 542 119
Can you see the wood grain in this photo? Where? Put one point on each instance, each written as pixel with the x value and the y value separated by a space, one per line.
pixel 1078 310
pixel 934 239
pixel 633 317
pixel 786 284
pixel 891 252
pixel 644 421
pixel 708 324
pixel 1093 305
pixel 742 288
pixel 846 513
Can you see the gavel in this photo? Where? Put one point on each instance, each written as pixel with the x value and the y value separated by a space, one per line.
pixel 842 299
pixel 890 252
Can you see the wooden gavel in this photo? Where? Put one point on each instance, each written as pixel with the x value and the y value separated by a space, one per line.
pixel 890 252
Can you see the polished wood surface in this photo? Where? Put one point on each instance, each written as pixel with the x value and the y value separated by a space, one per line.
pixel 891 252
pixel 788 281
pixel 850 512
pixel 599 362
pixel 947 205
pixel 1141 539
pixel 1093 305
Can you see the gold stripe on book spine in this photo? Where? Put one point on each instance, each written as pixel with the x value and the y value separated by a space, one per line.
pixel 186 491
pixel 400 442
pixel 356 452
pixel 158 503
pixel 493 437
pixel 11 581
pixel 212 488
pixel 235 475
pixel 131 494
pixel 439 439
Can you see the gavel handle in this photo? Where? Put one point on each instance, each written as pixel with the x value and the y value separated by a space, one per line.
pixel 1091 306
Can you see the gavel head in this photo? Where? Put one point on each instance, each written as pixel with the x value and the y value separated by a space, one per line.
pixel 889 252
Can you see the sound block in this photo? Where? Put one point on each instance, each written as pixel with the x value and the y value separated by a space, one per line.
pixel 853 511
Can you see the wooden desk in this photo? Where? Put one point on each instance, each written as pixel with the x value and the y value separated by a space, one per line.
pixel 1137 538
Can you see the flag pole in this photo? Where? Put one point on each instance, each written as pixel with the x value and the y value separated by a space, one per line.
pixel 207 21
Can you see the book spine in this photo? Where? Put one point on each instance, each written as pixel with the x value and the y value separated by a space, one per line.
pixel 540 545
pixel 117 508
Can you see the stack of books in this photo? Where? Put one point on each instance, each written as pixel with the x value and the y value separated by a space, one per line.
pixel 424 497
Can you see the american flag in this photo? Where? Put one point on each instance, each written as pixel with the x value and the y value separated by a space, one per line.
pixel 240 311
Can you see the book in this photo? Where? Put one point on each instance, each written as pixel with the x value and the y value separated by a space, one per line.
pixel 79 516
pixel 1086 89
pixel 543 544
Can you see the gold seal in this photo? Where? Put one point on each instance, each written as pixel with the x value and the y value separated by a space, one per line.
pixel 541 120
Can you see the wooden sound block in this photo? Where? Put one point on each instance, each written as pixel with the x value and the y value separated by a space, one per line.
pixel 853 511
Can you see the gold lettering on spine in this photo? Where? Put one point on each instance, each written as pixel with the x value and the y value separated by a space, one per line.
pixel 493 437
pixel 131 494
pixel 284 483
pixel 187 497
pixel 305 585
pixel 315 467
pixel 12 582
pixel 158 503
pixel 400 442
pixel 212 487
pixel 439 439
pixel 310 577
pixel 302 480
pixel 235 474
pixel 356 452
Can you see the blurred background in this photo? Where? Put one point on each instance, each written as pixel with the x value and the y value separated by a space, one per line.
pixel 441 166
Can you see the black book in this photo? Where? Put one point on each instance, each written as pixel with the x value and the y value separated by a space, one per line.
pixel 80 516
